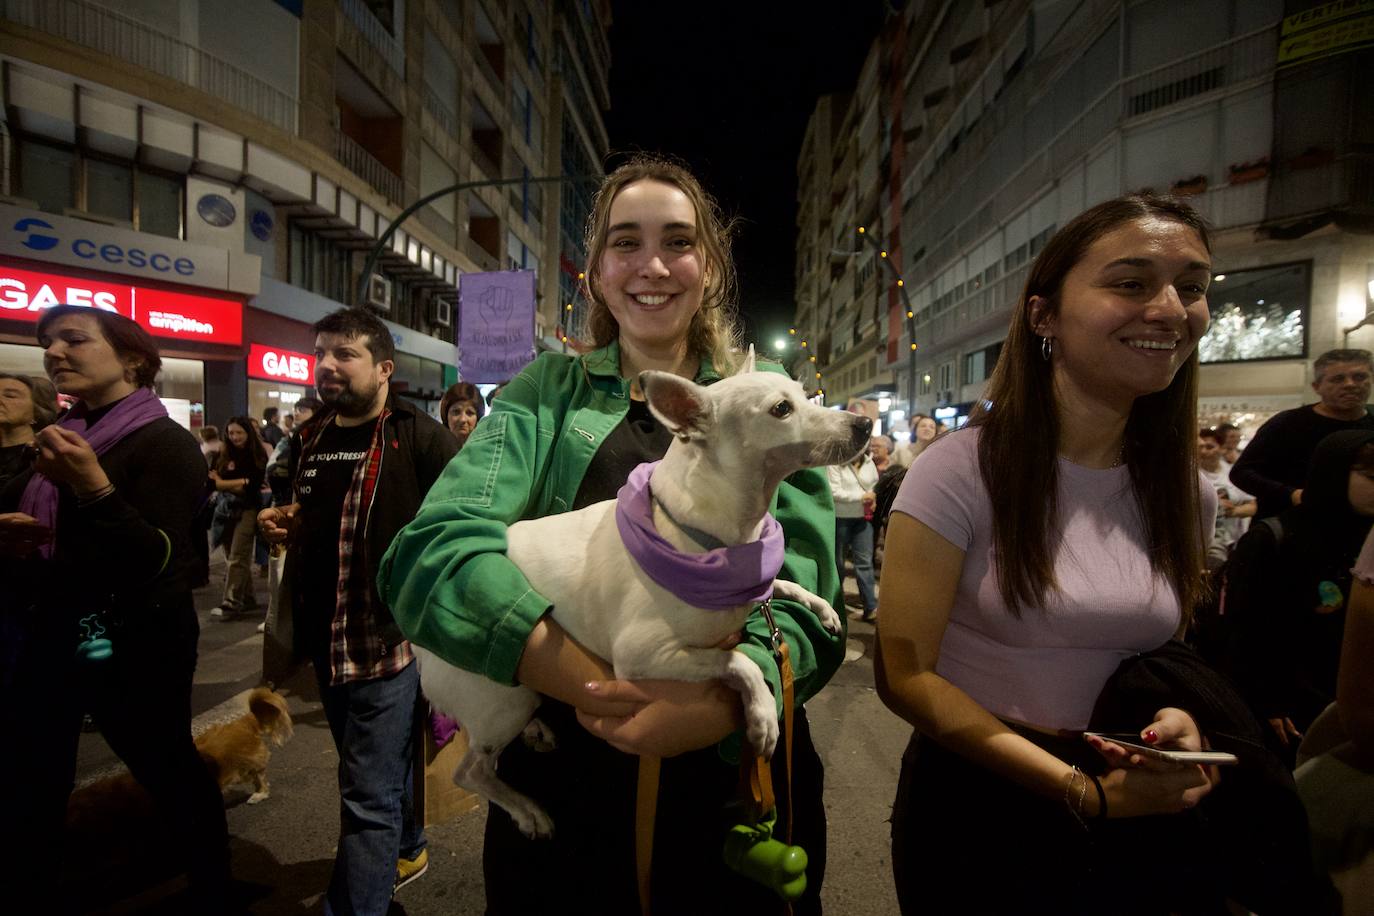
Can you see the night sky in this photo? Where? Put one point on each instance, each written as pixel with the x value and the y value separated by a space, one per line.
pixel 729 87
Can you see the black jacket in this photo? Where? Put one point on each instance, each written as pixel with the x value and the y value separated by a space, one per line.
pixel 418 449
pixel 1252 826
pixel 112 554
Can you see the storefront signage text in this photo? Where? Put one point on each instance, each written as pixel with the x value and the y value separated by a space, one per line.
pixel 24 294
pixel 81 243
pixel 280 365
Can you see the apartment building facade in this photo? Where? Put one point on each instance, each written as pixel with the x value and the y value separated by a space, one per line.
pixel 997 122
pixel 222 171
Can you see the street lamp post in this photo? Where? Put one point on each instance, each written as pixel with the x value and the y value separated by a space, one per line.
pixel 372 256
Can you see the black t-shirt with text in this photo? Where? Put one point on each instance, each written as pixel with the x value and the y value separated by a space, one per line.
pixel 325 476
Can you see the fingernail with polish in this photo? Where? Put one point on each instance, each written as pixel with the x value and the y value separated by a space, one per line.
pixel 1151 737
pixel 593 686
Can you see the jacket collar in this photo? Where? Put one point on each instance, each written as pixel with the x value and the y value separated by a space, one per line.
pixel 605 363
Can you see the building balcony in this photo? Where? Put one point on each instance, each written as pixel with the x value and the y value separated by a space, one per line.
pixel 363 164
pixel 442 113
pixel 376 34
pixel 118 36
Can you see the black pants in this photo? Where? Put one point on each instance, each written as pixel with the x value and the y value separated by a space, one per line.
pixel 588 788
pixel 141 699
pixel 965 840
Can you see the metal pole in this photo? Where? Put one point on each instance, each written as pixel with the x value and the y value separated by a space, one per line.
pixel 372 256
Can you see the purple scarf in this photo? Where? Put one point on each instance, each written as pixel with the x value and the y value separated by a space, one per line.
pixel 717 580
pixel 133 412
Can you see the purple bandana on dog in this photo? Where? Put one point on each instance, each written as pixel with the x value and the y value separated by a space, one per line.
pixel 717 580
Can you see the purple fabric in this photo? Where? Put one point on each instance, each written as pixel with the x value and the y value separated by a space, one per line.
pixel 717 580
pixel 441 727
pixel 132 413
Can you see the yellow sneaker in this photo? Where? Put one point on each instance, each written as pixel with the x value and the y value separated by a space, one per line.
pixel 407 870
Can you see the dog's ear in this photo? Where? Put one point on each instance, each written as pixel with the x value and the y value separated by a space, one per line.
pixel 748 361
pixel 682 406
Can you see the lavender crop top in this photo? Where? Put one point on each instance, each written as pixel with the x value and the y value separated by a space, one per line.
pixel 1047 667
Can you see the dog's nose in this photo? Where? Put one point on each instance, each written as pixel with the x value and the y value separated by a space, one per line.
pixel 863 427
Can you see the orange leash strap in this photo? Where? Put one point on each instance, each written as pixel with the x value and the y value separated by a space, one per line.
pixel 646 808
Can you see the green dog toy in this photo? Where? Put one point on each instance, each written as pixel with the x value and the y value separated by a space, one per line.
pixel 751 850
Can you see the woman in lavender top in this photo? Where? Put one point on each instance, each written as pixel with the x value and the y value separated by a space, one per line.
pixel 1060 533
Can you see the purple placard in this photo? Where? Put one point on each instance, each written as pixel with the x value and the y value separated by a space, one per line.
pixel 495 325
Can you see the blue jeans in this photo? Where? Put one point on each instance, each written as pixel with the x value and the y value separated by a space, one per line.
pixel 857 535
pixel 374 728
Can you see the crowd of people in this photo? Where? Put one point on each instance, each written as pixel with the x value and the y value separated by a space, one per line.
pixel 1047 569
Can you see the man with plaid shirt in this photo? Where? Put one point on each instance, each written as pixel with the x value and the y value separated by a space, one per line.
pixel 360 468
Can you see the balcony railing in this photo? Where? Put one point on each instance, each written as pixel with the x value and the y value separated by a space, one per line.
pixel 442 113
pixel 363 164
pixel 376 34
pixel 108 32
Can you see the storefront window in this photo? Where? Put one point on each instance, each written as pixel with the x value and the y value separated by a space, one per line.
pixel 263 394
pixel 1258 314
pixel 159 205
pixel 110 190
pixel 47 176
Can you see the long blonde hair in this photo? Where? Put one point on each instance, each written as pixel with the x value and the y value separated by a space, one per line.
pixel 714 332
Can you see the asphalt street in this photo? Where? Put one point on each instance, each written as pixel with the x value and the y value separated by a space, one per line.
pixel 283 847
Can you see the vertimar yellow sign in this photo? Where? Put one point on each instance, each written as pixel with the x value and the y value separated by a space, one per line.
pixel 1326 30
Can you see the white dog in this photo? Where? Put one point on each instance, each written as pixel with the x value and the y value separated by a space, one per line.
pixel 734 444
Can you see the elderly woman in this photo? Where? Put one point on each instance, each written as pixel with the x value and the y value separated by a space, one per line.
pixel 1029 555
pixel 26 406
pixel 104 516
pixel 564 434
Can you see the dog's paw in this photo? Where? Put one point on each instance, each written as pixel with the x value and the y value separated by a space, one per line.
pixel 258 796
pixel 761 728
pixel 538 737
pixel 533 822
pixel 829 619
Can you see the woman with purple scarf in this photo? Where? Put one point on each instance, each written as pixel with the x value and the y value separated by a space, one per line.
pixel 102 523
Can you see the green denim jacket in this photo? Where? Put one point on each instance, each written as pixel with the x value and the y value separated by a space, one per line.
pixel 451 587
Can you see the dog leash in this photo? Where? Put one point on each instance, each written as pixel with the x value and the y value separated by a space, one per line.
pixel 756 781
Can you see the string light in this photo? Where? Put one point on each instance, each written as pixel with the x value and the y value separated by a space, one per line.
pixel 861 230
pixel 565 338
pixel 568 307
pixel 818 375
pixel 901 282
pixel 812 358
pixel 911 314
pixel 913 346
pixel 882 254
pixel 581 275
pixel 803 343
pixel 792 330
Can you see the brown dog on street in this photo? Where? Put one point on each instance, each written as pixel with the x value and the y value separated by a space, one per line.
pixel 235 753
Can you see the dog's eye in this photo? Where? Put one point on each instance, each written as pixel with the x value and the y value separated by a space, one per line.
pixel 781 409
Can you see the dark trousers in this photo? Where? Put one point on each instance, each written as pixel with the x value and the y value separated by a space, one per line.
pixel 965 840
pixel 140 698
pixel 588 788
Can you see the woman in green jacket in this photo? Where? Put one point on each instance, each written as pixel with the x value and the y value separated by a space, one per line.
pixel 565 434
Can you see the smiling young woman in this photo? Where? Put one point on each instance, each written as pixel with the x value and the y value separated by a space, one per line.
pixel 566 433
pixel 1058 535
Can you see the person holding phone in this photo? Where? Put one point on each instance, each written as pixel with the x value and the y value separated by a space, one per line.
pixel 1059 534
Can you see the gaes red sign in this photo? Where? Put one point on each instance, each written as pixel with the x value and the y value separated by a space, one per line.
pixel 280 365
pixel 24 294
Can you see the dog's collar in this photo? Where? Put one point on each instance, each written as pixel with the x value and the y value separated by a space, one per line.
pixel 704 539
pixel 720 579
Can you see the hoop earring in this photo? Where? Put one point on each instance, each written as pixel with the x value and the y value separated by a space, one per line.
pixel 1046 348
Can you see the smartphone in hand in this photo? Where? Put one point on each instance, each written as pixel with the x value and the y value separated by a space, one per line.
pixel 1133 743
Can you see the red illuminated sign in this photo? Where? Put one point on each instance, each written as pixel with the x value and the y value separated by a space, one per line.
pixel 280 365
pixel 24 294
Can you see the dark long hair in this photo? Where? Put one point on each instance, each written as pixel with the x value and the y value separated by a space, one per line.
pixel 251 455
pixel 1021 431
